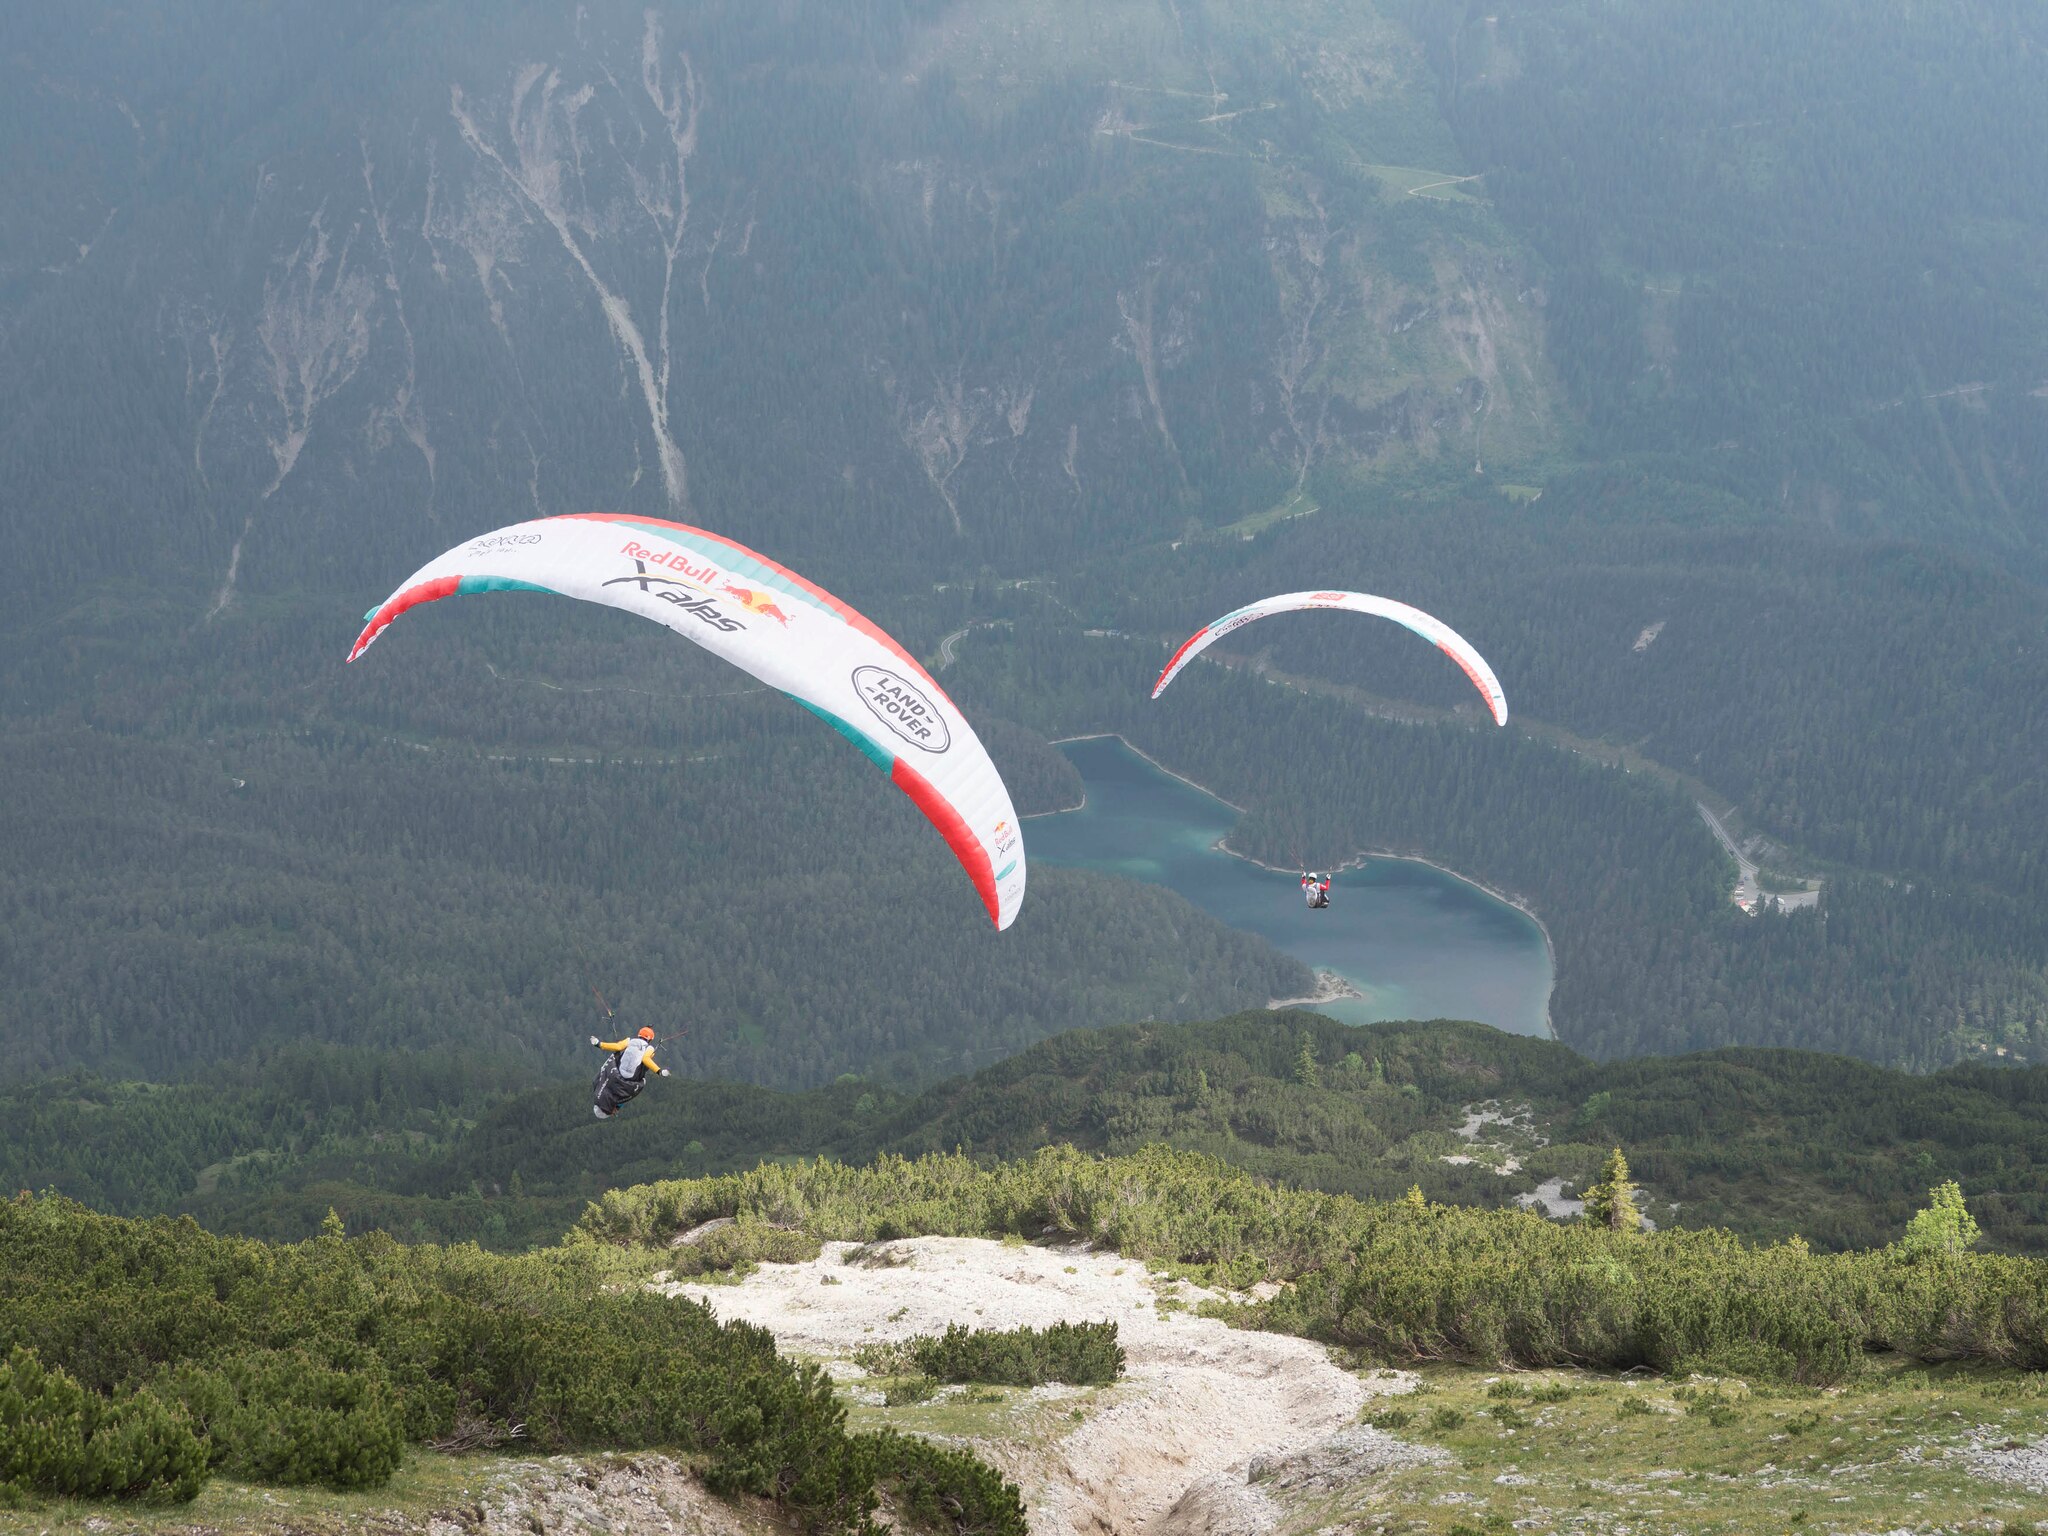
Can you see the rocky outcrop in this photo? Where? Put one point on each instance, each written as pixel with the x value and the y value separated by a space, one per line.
pixel 624 1495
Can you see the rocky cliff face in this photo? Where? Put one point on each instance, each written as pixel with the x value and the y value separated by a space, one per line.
pixel 954 284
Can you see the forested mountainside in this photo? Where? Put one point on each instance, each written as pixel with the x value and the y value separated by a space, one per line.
pixel 1660 353
pixel 1766 1143
pixel 290 299
pixel 1875 704
pixel 287 295
pixel 1631 885
pixel 168 906
pixel 1794 249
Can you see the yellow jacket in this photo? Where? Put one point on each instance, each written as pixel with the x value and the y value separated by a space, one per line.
pixel 634 1054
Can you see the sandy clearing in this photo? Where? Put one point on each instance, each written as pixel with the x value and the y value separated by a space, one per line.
pixel 1200 1401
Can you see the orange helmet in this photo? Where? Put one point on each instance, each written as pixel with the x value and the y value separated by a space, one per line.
pixel 646 1034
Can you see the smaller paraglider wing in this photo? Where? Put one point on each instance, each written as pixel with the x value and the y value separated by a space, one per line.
pixel 1434 630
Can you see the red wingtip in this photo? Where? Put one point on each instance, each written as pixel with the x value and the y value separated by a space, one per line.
pixel 953 827
pixel 1174 660
pixel 411 597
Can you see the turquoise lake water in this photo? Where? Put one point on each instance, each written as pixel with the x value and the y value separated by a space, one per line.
pixel 1419 943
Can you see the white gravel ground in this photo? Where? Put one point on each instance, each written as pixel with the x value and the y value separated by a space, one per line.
pixel 1168 1450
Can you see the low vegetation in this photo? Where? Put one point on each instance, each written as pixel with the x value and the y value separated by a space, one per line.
pixel 942 1488
pixel 55 1437
pixel 142 1355
pixel 1410 1280
pixel 1078 1354
pixel 1767 1144
pixel 1902 1446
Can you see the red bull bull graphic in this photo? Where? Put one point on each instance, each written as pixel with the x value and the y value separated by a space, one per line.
pixel 760 604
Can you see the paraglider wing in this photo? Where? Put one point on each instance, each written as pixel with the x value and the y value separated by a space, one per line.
pixel 1438 633
pixel 771 622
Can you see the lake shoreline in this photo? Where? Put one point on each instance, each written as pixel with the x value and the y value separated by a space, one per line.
pixel 1330 988
pixel 1137 751
pixel 1506 898
pixel 1058 810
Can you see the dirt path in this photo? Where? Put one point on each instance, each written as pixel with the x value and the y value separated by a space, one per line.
pixel 1199 1401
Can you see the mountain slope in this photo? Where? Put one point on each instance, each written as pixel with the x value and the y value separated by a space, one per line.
pixel 1796 249
pixel 1767 1143
pixel 293 301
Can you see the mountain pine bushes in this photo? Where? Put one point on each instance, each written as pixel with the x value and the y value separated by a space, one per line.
pixel 57 1438
pixel 1411 1280
pixel 945 1489
pixel 1079 1354
pixel 162 1351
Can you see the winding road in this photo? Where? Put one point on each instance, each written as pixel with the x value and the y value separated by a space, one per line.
pixel 1746 888
pixel 946 645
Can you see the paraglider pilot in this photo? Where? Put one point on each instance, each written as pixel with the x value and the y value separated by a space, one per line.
pixel 622 1077
pixel 1315 889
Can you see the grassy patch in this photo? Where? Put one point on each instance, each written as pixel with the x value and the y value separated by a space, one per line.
pixel 1299 504
pixel 426 1483
pixel 1596 1453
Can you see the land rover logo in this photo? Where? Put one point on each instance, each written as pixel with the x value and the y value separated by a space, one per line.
pixel 903 707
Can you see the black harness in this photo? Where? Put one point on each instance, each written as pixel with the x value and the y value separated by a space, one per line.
pixel 611 1088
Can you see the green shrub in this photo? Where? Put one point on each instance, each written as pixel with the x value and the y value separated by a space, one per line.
pixel 942 1489
pixel 1407 1282
pixel 1748 1359
pixel 318 1361
pixel 1444 1418
pixel 1079 1354
pixel 905 1391
pixel 740 1247
pixel 56 1438
pixel 1713 1406
pixel 891 1357
pixel 1390 1419
pixel 782 1436
pixel 278 1416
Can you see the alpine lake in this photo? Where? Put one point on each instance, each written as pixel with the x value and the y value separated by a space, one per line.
pixel 1415 941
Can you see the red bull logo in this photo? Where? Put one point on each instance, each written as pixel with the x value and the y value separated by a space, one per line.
pixel 760 604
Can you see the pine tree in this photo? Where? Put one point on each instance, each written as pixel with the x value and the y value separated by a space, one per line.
pixel 1307 1071
pixel 1611 1203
